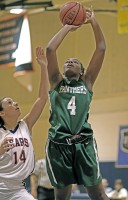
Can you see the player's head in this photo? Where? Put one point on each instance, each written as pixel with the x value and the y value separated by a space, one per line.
pixel 73 68
pixel 8 109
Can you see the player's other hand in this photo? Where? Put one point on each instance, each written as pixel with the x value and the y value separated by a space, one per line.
pixel 72 27
pixel 6 144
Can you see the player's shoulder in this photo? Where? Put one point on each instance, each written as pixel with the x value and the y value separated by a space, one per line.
pixel 23 123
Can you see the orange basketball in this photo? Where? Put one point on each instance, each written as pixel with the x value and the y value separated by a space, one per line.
pixel 72 13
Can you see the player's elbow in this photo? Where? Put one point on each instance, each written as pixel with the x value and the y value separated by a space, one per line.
pixel 50 49
pixel 102 46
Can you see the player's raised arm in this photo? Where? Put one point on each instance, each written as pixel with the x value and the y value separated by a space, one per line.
pixel 53 70
pixel 39 104
pixel 98 55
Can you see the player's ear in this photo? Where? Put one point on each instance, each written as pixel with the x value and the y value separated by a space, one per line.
pixel 82 70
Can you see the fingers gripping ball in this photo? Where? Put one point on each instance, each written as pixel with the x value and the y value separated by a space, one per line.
pixel 72 13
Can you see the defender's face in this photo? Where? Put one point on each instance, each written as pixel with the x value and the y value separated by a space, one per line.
pixel 72 67
pixel 10 108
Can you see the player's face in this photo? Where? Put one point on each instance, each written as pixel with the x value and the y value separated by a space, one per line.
pixel 72 67
pixel 10 108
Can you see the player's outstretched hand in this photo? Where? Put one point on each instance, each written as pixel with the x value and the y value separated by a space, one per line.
pixel 40 56
pixel 89 15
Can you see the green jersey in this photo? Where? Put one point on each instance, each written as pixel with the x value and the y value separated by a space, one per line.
pixel 70 103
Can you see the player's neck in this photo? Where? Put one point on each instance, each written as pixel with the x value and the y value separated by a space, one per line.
pixel 10 125
pixel 73 78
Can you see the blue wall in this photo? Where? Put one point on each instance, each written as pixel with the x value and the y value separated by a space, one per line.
pixel 110 172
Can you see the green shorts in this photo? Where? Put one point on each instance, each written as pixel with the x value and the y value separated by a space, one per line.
pixel 70 164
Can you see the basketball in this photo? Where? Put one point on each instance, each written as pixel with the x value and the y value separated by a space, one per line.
pixel 72 13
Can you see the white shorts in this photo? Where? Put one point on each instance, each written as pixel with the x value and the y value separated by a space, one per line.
pixel 17 195
pixel 22 195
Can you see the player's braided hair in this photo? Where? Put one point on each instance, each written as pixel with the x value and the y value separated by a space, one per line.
pixel 1 108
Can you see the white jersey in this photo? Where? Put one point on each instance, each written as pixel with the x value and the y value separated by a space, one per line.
pixel 17 163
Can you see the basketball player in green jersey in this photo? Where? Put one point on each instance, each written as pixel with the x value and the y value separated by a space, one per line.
pixel 71 150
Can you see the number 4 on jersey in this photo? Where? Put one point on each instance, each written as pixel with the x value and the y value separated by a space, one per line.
pixel 71 106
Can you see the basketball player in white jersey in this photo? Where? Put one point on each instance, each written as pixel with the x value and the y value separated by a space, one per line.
pixel 16 149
